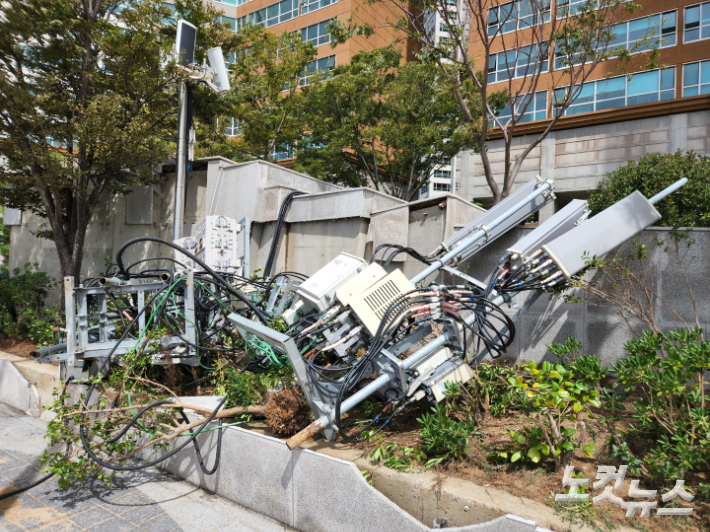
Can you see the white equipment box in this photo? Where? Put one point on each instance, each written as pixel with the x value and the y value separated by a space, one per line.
pixel 216 244
pixel 319 290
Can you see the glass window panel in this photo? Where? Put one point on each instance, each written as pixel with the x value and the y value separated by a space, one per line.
pixel 610 104
pixel 705 10
pixel 705 72
pixel 638 28
pixel 690 74
pixel 690 91
pixel 610 88
pixel 705 89
pixel 668 78
pixel 643 83
pixel 669 21
pixel 692 16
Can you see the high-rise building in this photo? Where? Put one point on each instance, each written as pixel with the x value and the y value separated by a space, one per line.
pixel 617 117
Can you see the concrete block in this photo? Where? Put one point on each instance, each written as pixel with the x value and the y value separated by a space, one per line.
pixel 14 388
pixel 330 494
pixel 606 337
pixel 536 331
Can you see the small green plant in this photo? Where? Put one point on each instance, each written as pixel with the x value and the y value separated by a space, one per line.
pixel 399 458
pixel 568 351
pixel 670 412
pixel 494 394
pixel 555 400
pixel 445 438
pixel 246 389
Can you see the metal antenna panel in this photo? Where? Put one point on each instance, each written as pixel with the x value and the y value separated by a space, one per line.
pixel 602 233
pixel 285 345
pixel 558 224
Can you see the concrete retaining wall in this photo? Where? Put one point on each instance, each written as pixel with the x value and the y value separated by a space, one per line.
pixel 304 489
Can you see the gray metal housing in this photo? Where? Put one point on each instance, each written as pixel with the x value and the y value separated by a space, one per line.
pixel 602 233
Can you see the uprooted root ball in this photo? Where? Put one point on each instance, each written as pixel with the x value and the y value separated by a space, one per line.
pixel 287 412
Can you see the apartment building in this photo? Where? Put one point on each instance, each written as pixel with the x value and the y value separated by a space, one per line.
pixel 617 117
pixel 443 179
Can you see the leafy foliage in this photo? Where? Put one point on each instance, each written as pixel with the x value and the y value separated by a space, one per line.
pixel 669 412
pixel 376 121
pixel 554 397
pixel 89 105
pixel 22 311
pixel 687 207
pixel 264 99
pixel 397 457
pixel 445 437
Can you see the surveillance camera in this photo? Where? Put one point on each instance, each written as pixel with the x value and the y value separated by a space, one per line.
pixel 218 68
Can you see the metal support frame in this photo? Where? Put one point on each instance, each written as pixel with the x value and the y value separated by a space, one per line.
pixel 75 355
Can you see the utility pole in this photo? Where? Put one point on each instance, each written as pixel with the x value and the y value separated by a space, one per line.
pixel 180 169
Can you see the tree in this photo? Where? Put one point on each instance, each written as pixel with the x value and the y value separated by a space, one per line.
pixel 578 37
pixel 687 207
pixel 264 100
pixel 89 106
pixel 378 122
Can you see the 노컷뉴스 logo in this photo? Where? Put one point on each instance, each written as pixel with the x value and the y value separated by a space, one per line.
pixel 605 474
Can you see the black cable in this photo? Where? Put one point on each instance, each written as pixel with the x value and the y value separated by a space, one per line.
pixel 22 490
pixel 277 231
pixel 217 277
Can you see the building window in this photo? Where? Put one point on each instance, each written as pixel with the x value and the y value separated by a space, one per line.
pixel 565 8
pixel 424 189
pixel 660 28
pixel 285 153
pixel 696 78
pixel 308 6
pixel 445 161
pixel 317 33
pixel 644 87
pixel 242 2
pixel 515 64
pixel 441 174
pixel 230 22
pixel 441 187
pixel 536 109
pixel 227 2
pixel 697 22
pixel 232 127
pixel 271 15
pixel 517 15
pixel 314 67
pixel 281 12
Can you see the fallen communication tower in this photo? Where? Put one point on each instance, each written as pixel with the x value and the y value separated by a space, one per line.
pixel 345 329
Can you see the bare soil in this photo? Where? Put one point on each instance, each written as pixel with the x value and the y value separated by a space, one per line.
pixel 17 346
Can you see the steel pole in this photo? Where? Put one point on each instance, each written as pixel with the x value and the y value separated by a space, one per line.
pixel 180 169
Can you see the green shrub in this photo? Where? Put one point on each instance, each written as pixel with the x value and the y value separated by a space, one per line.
pixel 491 385
pixel 555 400
pixel 687 207
pixel 22 296
pixel 671 412
pixel 444 437
pixel 587 368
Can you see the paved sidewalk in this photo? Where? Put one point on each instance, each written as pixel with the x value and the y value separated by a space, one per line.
pixel 150 500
